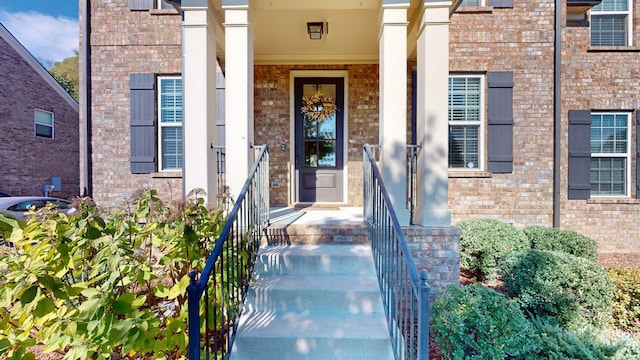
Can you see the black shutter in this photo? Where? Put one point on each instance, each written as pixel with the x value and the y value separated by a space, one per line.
pixel 501 3
pixel 579 154
pixel 142 114
pixel 500 122
pixel 638 154
pixel 140 4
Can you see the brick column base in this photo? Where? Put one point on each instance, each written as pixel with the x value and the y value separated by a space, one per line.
pixel 437 250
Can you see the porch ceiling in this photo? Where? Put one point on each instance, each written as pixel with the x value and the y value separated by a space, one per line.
pixel 351 31
pixel 350 35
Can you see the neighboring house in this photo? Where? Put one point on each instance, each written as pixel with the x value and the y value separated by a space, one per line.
pixel 513 122
pixel 39 127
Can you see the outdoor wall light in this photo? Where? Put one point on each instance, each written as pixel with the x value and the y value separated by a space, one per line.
pixel 314 29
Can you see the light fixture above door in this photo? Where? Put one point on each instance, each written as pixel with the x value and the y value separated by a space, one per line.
pixel 315 30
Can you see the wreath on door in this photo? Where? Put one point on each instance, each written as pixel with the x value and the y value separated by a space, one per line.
pixel 318 107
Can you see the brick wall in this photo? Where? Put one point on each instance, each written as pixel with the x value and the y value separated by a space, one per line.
pixel 519 40
pixel 125 42
pixel 28 161
pixel 608 79
pixel 272 122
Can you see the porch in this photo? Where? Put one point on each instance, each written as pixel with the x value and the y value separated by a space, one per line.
pixel 366 51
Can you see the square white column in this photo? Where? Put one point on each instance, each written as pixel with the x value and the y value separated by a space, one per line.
pixel 432 203
pixel 199 101
pixel 393 105
pixel 238 96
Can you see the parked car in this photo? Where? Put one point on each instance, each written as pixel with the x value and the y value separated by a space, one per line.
pixel 17 206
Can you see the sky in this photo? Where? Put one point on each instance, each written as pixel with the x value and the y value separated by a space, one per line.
pixel 47 28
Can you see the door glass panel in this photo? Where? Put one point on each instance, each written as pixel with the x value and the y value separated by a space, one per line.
pixel 327 156
pixel 310 128
pixel 310 154
pixel 320 135
pixel 328 128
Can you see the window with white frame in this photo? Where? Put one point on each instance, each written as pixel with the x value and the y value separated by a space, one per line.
pixel 472 3
pixel 610 154
pixel 610 23
pixel 170 123
pixel 163 5
pixel 44 123
pixel 466 116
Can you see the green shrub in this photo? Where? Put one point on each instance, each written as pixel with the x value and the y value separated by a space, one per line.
pixel 558 343
pixel 570 242
pixel 90 287
pixel 571 290
pixel 484 241
pixel 626 302
pixel 473 322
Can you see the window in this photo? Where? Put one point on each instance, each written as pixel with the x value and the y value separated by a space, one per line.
pixel 465 121
pixel 164 5
pixel 170 120
pixel 610 154
pixel 610 23
pixel 472 3
pixel 44 123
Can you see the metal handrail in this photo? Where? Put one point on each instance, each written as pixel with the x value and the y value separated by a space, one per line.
pixel 412 169
pixel 224 198
pixel 227 273
pixel 405 295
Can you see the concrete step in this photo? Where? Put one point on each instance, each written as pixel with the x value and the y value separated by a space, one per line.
pixel 316 294
pixel 313 302
pixel 276 335
pixel 316 259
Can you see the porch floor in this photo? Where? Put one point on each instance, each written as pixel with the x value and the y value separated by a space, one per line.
pixel 316 215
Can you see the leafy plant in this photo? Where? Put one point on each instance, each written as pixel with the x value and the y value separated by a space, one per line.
pixel 570 242
pixel 88 287
pixel 558 343
pixel 473 322
pixel 484 241
pixel 626 303
pixel 572 291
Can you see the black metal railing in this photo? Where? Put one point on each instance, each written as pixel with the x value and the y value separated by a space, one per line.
pixel 224 197
pixel 215 298
pixel 412 170
pixel 405 295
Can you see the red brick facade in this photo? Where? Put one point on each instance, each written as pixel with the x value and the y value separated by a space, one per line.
pixel 29 161
pixel 521 40
pixel 482 40
pixel 125 42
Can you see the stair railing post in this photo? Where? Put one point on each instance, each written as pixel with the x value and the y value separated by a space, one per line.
pixel 193 302
pixel 423 317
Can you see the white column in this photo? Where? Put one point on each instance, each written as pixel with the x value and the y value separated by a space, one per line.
pixel 199 100
pixel 239 96
pixel 432 203
pixel 393 105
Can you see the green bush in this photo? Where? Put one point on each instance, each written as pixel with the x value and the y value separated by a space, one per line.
pixel 571 290
pixel 473 322
pixel 570 242
pixel 626 303
pixel 558 343
pixel 90 287
pixel 484 241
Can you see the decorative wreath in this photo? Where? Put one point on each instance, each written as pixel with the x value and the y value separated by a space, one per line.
pixel 318 107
